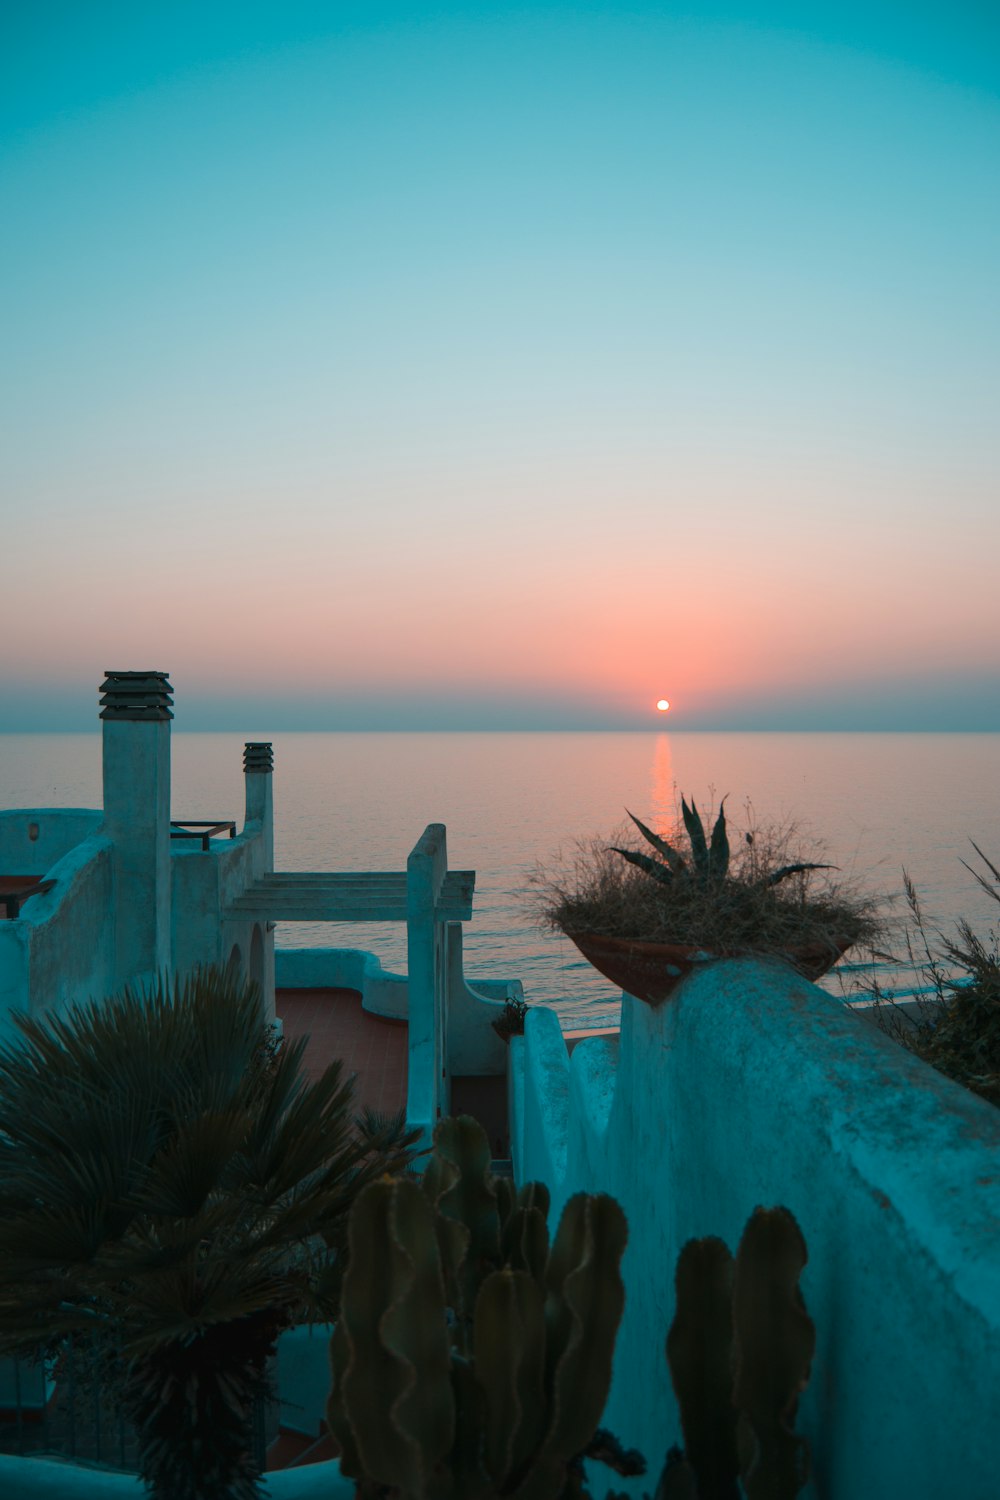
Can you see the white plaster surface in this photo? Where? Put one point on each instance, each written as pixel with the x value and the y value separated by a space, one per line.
pixel 515 1105
pixel 473 1046
pixel 61 949
pixel 136 778
pixel 755 1087
pixel 544 1134
pixel 428 1086
pixel 56 831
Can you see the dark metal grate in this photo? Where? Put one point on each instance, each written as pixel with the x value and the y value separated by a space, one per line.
pixel 204 829
pixel 136 696
pixel 258 755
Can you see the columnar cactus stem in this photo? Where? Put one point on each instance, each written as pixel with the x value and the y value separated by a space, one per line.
pixel 773 1341
pixel 469 1361
pixel 740 1351
pixel 699 1353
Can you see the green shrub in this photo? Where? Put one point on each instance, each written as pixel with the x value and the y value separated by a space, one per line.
pixel 173 1188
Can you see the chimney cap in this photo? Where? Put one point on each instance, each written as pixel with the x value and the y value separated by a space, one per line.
pixel 135 696
pixel 258 755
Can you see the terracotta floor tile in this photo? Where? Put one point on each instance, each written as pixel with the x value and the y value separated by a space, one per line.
pixel 372 1049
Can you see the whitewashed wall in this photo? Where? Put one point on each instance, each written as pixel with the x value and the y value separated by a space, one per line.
pixel 754 1087
pixel 61 949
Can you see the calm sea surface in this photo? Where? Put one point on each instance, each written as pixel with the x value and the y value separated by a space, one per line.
pixel 360 801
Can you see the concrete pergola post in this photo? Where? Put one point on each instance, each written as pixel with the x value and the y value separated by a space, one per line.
pixel 428 1083
pixel 136 714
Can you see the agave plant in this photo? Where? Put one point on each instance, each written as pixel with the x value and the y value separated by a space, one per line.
pixel 172 1187
pixel 708 864
pixel 646 919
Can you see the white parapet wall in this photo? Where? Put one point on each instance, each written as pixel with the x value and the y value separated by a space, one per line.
pixel 755 1087
pixel 203 886
pixel 32 839
pixel 60 951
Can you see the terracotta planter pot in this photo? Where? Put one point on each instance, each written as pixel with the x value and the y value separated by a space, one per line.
pixel 650 971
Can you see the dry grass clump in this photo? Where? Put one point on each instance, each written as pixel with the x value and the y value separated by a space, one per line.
pixel 957 1028
pixel 597 891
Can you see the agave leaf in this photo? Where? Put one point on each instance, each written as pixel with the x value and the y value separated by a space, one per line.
pixel 786 870
pixel 643 862
pixel 674 859
pixel 696 833
pixel 718 855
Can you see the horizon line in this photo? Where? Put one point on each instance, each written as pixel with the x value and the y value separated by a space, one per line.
pixel 95 729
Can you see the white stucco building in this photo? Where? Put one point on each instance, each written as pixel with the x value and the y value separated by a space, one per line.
pixel 128 895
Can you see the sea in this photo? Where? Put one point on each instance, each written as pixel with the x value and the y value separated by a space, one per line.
pixel 515 803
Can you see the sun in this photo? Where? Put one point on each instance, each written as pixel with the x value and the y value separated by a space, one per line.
pixel 662 704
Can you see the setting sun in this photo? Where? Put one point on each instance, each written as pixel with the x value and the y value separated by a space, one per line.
pixel 662 704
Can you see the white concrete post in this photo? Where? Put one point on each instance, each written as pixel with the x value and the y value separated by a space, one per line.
pixel 135 711
pixel 428 1087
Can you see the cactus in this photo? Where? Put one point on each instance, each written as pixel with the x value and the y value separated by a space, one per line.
pixel 773 1344
pixel 392 1408
pixel 471 1360
pixel 740 1350
pixel 699 1353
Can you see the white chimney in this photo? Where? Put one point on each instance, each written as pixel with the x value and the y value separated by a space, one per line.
pixel 135 711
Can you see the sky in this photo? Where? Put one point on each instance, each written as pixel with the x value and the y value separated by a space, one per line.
pixel 473 366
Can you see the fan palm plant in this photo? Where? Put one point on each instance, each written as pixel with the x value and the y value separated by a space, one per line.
pixel 172 1186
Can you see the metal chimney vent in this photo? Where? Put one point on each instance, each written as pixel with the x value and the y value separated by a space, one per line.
pixel 136 695
pixel 258 756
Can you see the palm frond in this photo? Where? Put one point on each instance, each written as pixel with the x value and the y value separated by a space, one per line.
pixel 162 1168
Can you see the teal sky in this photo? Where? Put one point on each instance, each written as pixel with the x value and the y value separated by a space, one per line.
pixel 443 366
